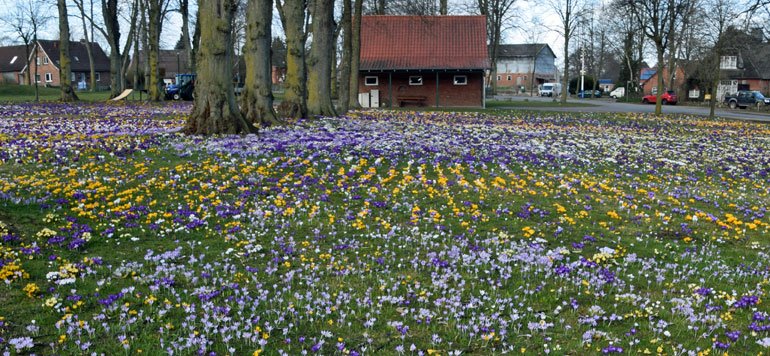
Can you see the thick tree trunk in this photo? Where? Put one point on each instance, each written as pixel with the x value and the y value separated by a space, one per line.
pixel 444 7
pixel 658 99
pixel 67 93
pixel 155 92
pixel 257 96
pixel 355 54
pixel 344 93
pixel 319 101
pixel 215 110
pixel 112 25
pixel 295 104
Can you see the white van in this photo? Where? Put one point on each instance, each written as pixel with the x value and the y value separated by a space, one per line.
pixel 618 93
pixel 550 89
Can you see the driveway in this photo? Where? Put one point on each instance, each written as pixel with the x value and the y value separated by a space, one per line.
pixel 610 105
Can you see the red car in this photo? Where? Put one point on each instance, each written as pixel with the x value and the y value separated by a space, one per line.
pixel 669 97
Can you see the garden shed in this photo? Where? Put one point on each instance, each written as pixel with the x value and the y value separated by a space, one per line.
pixel 433 61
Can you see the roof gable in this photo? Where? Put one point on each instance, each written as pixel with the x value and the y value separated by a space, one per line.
pixel 78 55
pixel 506 51
pixel 12 58
pixel 423 42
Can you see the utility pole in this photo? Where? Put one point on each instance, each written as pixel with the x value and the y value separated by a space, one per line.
pixel 582 68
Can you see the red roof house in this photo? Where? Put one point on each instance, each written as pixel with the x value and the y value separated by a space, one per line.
pixel 423 61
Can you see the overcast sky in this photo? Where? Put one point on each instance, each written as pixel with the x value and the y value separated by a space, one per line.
pixel 531 21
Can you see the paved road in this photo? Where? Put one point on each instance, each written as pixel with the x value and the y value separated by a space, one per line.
pixel 609 105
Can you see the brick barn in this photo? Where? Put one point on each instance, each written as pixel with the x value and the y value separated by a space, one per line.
pixel 434 61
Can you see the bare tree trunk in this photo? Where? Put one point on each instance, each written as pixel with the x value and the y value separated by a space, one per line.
pixel 715 83
pixel 319 101
pixel 335 88
pixel 355 55
pixel 196 43
pixel 29 61
pixel 381 7
pixel 136 59
pixel 125 57
pixel 67 94
pixel 257 96
pixel 444 7
pixel 81 6
pixel 344 93
pixel 112 25
pixel 659 98
pixel 295 104
pixel 37 91
pixel 155 14
pixel 184 8
pixel 145 46
pixel 565 75
pixel 215 110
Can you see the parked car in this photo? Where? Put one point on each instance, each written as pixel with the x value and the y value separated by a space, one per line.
pixel 589 94
pixel 746 98
pixel 550 89
pixel 669 97
pixel 618 93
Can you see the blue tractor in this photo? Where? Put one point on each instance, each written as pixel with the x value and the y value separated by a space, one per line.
pixel 183 89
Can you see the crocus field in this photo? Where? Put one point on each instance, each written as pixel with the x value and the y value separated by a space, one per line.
pixel 382 233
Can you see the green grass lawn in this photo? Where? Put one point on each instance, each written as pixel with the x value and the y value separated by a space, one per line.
pixel 386 232
pixel 12 92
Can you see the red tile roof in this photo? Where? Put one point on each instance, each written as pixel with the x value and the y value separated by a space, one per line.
pixel 423 42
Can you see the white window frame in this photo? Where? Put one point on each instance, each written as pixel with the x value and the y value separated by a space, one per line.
pixel 98 77
pixel 45 60
pixel 37 78
pixel 728 62
pixel 508 78
pixel 376 81
pixel 465 79
pixel 37 61
pixel 48 77
pixel 418 77
pixel 499 78
pixel 73 77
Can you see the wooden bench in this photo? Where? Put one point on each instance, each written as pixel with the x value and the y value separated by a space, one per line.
pixel 405 99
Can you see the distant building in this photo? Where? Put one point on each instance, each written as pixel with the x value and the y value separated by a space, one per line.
pixel 746 67
pixel 170 63
pixel 606 84
pixel 517 64
pixel 437 61
pixel 649 80
pixel 14 68
pixel 12 62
